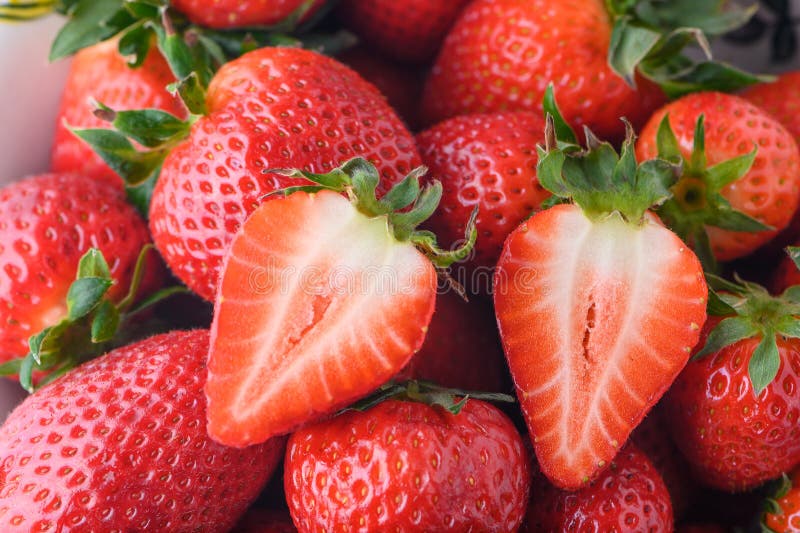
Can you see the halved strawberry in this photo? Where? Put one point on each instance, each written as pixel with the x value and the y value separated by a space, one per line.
pixel 322 299
pixel 598 304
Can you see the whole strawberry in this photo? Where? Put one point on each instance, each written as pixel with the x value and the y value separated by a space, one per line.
pixel 408 466
pixel 501 55
pixel 409 30
pixel 47 223
pixel 223 14
pixel 489 162
pixel 629 495
pixel 271 108
pixel 120 444
pixel 741 174
pixel 733 410
pixel 100 74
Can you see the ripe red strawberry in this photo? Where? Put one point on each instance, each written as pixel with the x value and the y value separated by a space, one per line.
pixel 274 107
pixel 223 14
pixel 99 73
pixel 485 161
pixel 781 99
pixel 501 54
pixel 462 348
pixel 47 223
pixel 322 300
pixel 725 186
pixel 587 294
pixel 733 412
pixel 410 30
pixel 782 513
pixel 653 438
pixel 119 444
pixel 400 84
pixel 629 495
pixel 408 466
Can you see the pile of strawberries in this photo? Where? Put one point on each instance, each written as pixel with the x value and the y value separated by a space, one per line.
pixel 248 298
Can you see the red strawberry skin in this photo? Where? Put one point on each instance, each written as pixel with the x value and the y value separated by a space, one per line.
pixel 406 30
pixel 120 444
pixel 500 55
pixel 787 519
pixel 271 108
pixel 409 467
pixel 582 307
pixel 733 440
pixel 768 192
pixel 223 14
pixel 47 223
pixel 99 73
pixel 486 161
pixel 629 495
pixel 302 324
pixel 462 347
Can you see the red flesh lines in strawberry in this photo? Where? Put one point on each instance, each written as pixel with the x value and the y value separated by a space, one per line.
pixel 597 319
pixel 318 305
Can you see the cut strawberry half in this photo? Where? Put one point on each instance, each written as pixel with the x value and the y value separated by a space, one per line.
pixel 598 304
pixel 322 300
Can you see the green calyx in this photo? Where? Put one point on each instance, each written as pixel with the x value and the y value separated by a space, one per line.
pixel 406 205
pixel 453 400
pixel 752 312
pixel 597 178
pixel 650 37
pixel 697 201
pixel 92 322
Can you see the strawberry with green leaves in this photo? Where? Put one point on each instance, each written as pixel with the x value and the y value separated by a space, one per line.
pixel 119 444
pixel 47 224
pixel 629 495
pixel 322 299
pixel 734 409
pixel 782 509
pixel 410 463
pixel 741 173
pixel 100 74
pixel 605 58
pixel 271 108
pixel 587 294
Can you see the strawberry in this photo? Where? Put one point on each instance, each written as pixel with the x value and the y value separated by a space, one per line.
pixel 274 107
pixel 741 175
pixel 400 84
pixel 786 274
pixel 485 161
pixel 462 348
pixel 589 293
pixel 408 466
pixel 733 411
pixel 224 14
pixel 782 514
pixel 653 438
pixel 321 300
pixel 119 444
pixel 780 98
pixel 409 30
pixel 47 223
pixel 101 74
pixel 629 495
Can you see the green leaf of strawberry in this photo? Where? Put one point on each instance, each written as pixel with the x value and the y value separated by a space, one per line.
pixel 649 37
pixel 91 324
